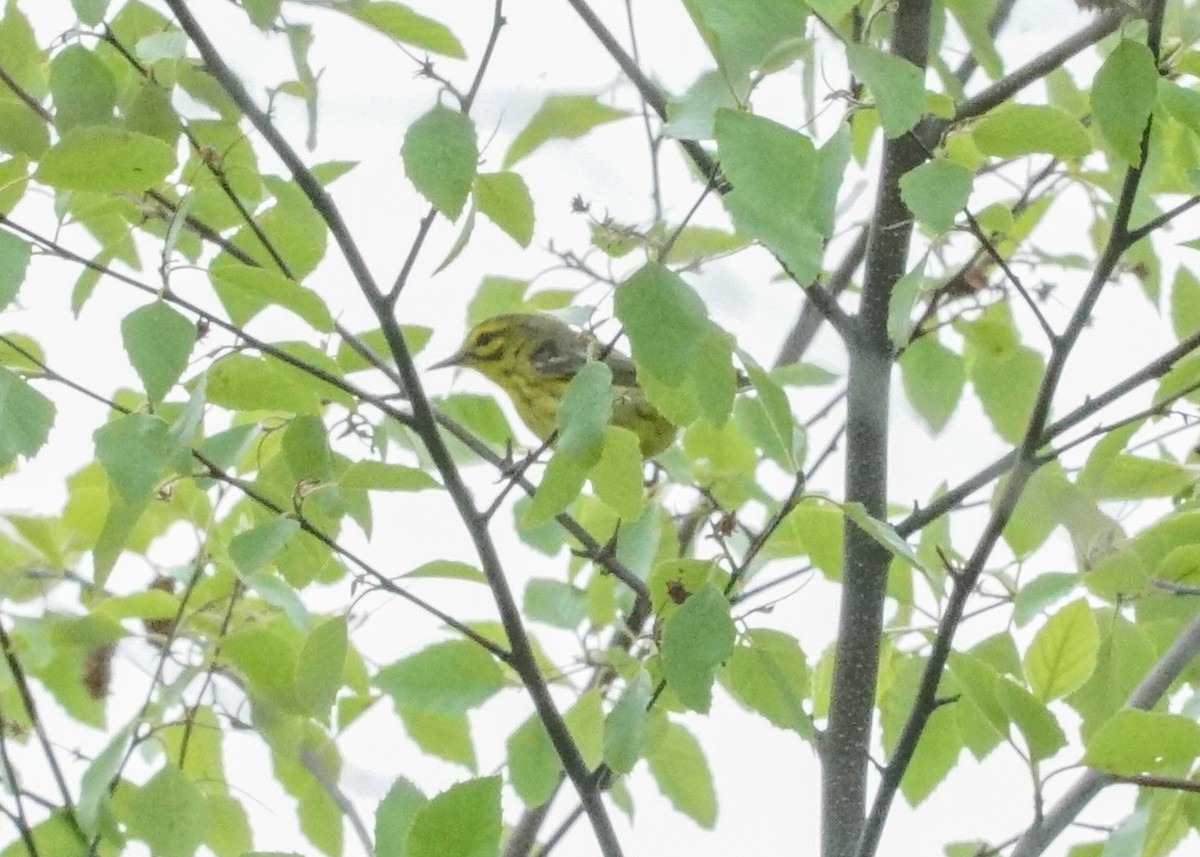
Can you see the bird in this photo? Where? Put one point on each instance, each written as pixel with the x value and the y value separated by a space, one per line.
pixel 534 356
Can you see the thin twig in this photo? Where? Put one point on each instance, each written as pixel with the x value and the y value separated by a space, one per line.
pixel 1145 696
pixel 20 819
pixel 35 720
pixel 523 659
pixel 213 471
pixel 313 765
pixel 1023 469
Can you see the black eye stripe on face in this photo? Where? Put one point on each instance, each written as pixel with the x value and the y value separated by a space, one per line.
pixel 488 346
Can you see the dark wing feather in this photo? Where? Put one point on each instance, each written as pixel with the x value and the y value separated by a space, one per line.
pixel 623 371
pixel 561 352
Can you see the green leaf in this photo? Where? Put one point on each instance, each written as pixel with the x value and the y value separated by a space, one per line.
pixel 695 641
pixel 90 12
pixel 404 25
pixel 106 159
pixel 978 681
pixel 1043 736
pixel 584 412
pixel 666 351
pixel 767 417
pixel 242 382
pixel 252 549
pixel 440 156
pixel 169 814
pixel 1134 742
pixel 678 766
pixel 447 736
pixel 561 117
pixel 833 10
pixel 1181 103
pixel 585 721
pixel 1045 589
pixel 57 835
pixel 463 821
pixel 305 448
pixel 245 291
pixel 150 604
pixel 625 727
pixel 415 336
pixel 320 666
pixel 448 570
pixel 134 449
pixel 747 36
pixel 1185 302
pixel 25 418
pixel 1123 96
pixel 936 192
pixel 122 516
pixel 900 305
pixel 1007 385
pixel 229 833
pixel 974 19
pixel 83 89
pixel 152 113
pixel 933 377
pixel 781 208
pixel 292 226
pixel 768 674
pixel 1022 129
pixel 935 756
pixel 267 661
pixel 451 677
pixel 1040 509
pixel 1063 653
pixel 690 115
pixel 812 529
pixel 11 358
pixel 882 532
pixel 560 486
pixel 1132 477
pixel 555 602
pixel 395 816
pixel 505 200
pixel 93 790
pixel 617 474
pixel 897 85
pixel 277 592
pixel 1181 379
pixel 533 764
pixel 22 131
pixel 262 13
pixel 159 341
pixel 381 476
pixel 14 180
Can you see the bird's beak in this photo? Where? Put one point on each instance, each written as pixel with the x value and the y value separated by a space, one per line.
pixel 455 359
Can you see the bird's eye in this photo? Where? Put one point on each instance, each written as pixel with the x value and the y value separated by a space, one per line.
pixel 485 338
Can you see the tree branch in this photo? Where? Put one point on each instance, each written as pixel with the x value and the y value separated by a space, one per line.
pixel 1024 467
pixel 425 424
pixel 845 752
pixel 1148 692
pixel 35 720
pixel 1037 68
pixel 649 92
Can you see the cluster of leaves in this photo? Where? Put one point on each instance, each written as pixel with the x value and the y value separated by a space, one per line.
pixel 268 445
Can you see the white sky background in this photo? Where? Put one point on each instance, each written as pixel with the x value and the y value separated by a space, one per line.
pixel 767 779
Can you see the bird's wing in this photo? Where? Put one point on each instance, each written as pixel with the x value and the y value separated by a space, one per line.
pixel 564 353
pixel 623 371
pixel 559 355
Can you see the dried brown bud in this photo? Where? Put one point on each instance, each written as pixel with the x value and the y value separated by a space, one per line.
pixel 97 670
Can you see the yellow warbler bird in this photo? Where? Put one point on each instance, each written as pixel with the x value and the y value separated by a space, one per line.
pixel 533 358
